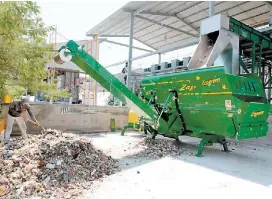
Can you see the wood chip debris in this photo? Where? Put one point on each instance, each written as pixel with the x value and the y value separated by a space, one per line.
pixel 52 165
pixel 158 148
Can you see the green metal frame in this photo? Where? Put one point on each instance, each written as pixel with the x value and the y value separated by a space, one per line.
pixel 209 140
pixel 88 64
pixel 183 103
pixel 202 96
pixel 136 126
pixel 258 39
pixel 249 33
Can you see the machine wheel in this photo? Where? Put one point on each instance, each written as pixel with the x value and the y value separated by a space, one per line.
pixel 154 134
pixel 145 131
pixel 146 128
pixel 225 146
pixel 62 57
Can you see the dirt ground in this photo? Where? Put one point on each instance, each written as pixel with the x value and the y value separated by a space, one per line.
pixel 246 170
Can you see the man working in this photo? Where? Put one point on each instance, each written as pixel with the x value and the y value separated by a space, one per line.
pixel 124 70
pixel 15 112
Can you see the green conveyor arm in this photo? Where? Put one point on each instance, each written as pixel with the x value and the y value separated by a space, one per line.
pixel 88 64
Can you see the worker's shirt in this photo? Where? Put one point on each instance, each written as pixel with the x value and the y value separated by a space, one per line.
pixel 16 111
pixel 124 70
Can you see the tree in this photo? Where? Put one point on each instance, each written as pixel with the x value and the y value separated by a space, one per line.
pixel 14 91
pixel 51 92
pixel 23 49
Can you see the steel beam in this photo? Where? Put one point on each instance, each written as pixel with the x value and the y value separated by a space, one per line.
pixel 151 5
pixel 186 23
pixel 121 44
pixel 253 68
pixel 269 84
pixel 159 61
pixel 171 15
pixel 102 40
pixel 145 44
pixel 157 13
pixel 268 3
pixel 243 65
pixel 169 48
pixel 217 4
pixel 270 16
pixel 106 35
pixel 268 81
pixel 148 6
pixel 164 25
pixel 180 11
pixel 97 58
pixel 145 7
pixel 269 68
pixel 211 8
pixel 253 18
pixel 130 49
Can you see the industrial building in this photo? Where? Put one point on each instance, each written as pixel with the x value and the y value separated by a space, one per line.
pixel 169 26
pixel 238 39
pixel 213 99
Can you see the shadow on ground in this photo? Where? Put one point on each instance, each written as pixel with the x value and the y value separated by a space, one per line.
pixel 247 162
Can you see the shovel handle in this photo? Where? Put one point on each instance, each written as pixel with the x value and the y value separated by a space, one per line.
pixel 32 122
pixel 36 123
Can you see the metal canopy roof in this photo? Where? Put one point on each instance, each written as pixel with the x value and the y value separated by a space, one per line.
pixel 160 23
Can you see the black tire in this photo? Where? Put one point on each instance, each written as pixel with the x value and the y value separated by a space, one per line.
pixel 154 134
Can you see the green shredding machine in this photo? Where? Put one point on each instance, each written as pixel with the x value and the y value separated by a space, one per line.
pixel 211 100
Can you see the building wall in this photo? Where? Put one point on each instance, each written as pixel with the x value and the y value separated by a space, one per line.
pixel 75 117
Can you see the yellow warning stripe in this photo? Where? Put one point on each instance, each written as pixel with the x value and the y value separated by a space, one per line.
pixel 217 93
pixel 158 83
pixel 163 82
pixel 183 80
pixel 149 84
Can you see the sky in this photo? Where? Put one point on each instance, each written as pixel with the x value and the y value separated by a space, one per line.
pixel 73 18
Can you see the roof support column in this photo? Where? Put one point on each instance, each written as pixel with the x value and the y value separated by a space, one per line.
pixel 269 69
pixel 159 61
pixel 270 17
pixel 211 8
pixel 130 49
pixel 97 58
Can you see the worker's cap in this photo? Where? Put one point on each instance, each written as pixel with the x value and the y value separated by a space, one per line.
pixel 25 101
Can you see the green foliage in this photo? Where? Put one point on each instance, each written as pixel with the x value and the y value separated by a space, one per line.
pixel 51 92
pixel 15 92
pixel 23 49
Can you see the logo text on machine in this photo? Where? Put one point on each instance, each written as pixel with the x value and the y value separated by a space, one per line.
pixel 187 87
pixel 258 113
pixel 210 82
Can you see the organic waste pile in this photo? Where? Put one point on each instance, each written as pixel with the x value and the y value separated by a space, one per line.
pixel 51 165
pixel 158 148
